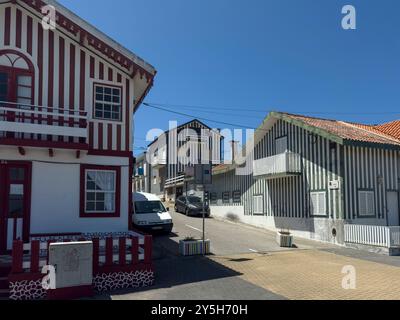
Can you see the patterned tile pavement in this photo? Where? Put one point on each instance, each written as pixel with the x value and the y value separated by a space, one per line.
pixel 315 274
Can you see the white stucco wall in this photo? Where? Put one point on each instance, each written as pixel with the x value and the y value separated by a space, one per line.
pixel 55 197
pixel 316 228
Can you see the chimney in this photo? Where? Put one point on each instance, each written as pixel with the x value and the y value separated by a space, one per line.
pixel 234 145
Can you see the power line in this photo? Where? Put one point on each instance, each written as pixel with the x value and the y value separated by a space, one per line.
pixel 246 109
pixel 200 118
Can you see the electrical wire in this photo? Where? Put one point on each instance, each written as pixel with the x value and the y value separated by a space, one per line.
pixel 200 118
pixel 246 109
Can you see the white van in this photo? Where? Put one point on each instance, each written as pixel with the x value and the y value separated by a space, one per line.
pixel 149 213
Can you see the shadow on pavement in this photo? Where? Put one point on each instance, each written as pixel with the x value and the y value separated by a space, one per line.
pixel 171 269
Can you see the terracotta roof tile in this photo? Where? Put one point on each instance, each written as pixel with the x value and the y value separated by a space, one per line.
pixel 349 131
pixel 391 128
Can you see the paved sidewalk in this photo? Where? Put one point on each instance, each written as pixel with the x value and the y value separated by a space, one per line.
pixel 249 265
pixel 315 274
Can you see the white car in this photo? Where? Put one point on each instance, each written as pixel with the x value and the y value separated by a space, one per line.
pixel 149 213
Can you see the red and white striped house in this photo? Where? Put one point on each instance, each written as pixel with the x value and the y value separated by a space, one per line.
pixel 67 99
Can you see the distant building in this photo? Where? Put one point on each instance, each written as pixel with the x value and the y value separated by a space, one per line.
pixel 161 168
pixel 319 178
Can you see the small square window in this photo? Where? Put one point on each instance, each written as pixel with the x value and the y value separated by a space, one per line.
pixel 237 197
pixel 108 103
pixel 226 197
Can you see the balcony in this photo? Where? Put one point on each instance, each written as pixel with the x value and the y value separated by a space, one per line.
pixel 38 126
pixel 281 165
pixel 176 181
pixel 159 162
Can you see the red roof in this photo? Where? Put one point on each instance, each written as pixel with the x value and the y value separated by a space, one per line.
pixel 351 131
pixel 391 128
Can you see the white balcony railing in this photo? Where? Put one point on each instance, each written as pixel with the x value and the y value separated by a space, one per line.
pixel 284 164
pixel 372 235
pixel 175 181
pixel 159 161
pixel 31 119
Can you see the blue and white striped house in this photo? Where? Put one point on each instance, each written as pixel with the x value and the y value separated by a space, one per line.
pixel 315 177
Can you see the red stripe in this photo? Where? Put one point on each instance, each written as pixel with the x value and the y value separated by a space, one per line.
pixel 122 251
pixel 35 252
pixel 91 135
pixel 19 29
pixel 7 26
pixel 17 257
pixel 100 137
pixel 61 77
pixel 96 244
pixel 101 71
pixel 15 225
pixel 148 249
pixel 72 77
pixel 29 35
pixel 50 78
pixel 109 251
pixel 82 84
pixel 119 137
pixel 91 67
pixel 61 73
pixel 40 66
pixel 135 250
pixel 128 116
pixel 110 74
pixel 109 136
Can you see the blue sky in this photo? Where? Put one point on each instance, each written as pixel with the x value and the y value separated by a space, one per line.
pixel 285 55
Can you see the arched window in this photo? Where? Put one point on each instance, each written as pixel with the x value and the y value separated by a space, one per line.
pixel 16 78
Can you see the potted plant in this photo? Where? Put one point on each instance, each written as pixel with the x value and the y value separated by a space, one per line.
pixel 191 246
pixel 284 239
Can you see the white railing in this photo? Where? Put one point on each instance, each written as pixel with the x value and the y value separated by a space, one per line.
pixel 159 161
pixel 379 236
pixel 26 118
pixel 284 164
pixel 174 181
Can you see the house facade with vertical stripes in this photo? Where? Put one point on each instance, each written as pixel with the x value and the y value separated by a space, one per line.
pixel 67 100
pixel 312 177
pixel 164 165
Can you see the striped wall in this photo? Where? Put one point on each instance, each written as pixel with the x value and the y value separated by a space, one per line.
pixel 214 149
pixel 371 169
pixel 322 161
pixel 65 72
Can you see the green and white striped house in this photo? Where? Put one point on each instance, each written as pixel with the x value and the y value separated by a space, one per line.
pixel 313 177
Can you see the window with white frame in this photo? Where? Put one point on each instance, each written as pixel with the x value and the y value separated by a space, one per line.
pixel 226 197
pixel 237 196
pixel 100 191
pixel 281 145
pixel 258 202
pixel 213 197
pixel 107 104
pixel 318 203
pixel 366 203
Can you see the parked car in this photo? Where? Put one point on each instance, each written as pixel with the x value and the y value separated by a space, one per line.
pixel 149 213
pixel 191 206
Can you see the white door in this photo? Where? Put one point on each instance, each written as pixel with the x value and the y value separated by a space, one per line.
pixel 393 208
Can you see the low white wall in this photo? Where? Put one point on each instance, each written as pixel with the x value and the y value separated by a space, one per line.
pixel 55 199
pixel 315 228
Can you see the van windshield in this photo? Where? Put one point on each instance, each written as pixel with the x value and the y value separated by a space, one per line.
pixel 143 207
